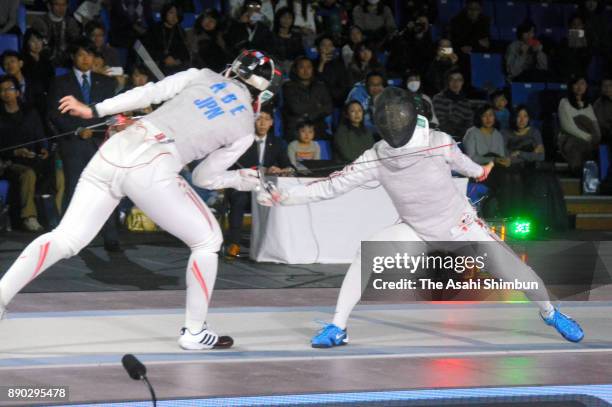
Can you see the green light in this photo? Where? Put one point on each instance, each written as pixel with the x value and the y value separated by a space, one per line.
pixel 520 228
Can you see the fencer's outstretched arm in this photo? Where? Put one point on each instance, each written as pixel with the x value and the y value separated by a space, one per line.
pixel 360 171
pixel 212 172
pixel 147 95
pixel 458 161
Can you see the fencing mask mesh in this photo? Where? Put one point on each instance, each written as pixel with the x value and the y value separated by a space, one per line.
pixel 395 116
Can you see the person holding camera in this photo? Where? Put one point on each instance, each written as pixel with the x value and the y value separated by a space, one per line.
pixel 249 31
pixel 444 61
pixel 525 57
pixel 413 48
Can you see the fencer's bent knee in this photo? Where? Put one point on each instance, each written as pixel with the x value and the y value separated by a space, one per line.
pixel 210 243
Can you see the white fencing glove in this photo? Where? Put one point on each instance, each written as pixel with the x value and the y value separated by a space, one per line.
pixel 271 196
pixel 245 179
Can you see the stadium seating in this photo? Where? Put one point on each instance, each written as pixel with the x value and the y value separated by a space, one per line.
pixel 509 14
pixel 546 14
pixel 326 152
pixel 21 18
pixel 447 9
pixel 487 71
pixel 604 161
pixel 525 93
pixel 8 41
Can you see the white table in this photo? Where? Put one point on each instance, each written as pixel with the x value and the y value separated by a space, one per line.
pixel 321 232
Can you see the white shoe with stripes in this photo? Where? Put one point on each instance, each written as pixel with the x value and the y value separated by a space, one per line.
pixel 205 339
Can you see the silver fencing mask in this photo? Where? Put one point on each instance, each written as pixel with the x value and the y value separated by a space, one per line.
pixel 395 116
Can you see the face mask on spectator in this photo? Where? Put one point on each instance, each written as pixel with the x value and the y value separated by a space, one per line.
pixel 256 17
pixel 413 86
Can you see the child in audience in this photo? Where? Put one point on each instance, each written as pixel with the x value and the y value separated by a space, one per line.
pixel 304 148
pixel 502 114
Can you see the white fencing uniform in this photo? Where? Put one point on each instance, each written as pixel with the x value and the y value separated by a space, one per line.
pixel 206 116
pixel 418 179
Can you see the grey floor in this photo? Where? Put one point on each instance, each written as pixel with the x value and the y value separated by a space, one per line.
pixel 72 326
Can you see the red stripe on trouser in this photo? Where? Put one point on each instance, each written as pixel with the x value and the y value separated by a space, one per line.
pixel 44 249
pixel 200 206
pixel 196 272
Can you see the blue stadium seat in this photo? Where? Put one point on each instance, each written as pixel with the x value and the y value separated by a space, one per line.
pixel 447 9
pixel 487 71
pixel 488 9
pixel 216 4
pixel 325 146
pixel 188 20
pixel 556 86
pixel 546 14
pixel 21 18
pixel 382 57
pixel 394 82
pixel 568 11
pixel 554 33
pixel 595 70
pixel 105 17
pixel 435 33
pixel 1 71
pixel 157 17
pixel 329 124
pixel 604 161
pixel 525 93
pixel 506 34
pixel 509 14
pixel 61 71
pixel 197 7
pixel 278 123
pixel 4 189
pixel 311 52
pixel 9 41
pixel 123 55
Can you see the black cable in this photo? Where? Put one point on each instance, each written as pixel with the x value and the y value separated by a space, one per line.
pixel 153 396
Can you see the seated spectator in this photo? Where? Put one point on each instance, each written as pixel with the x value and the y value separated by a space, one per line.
pixel 248 31
pixel 453 108
pixel 288 41
pixel 538 191
pixel 414 9
pixel 8 17
pixel 96 32
pixel 59 29
pixel 444 61
pixel 579 133
pixel 266 151
pixel 352 137
pixel 575 51
pixel 423 103
pixel 206 44
pixel 412 49
pixel 304 147
pixel 167 41
pixel 99 66
pixel 139 76
pixel 500 105
pixel 37 69
pixel 304 18
pixel 331 18
pixel 483 143
pixel 348 50
pixel 470 32
pixel 331 70
pixel 304 95
pixel 375 19
pixel 525 58
pixel 19 125
pixel 364 62
pixel 365 92
pixel 603 110
pixel 596 26
pixel 129 20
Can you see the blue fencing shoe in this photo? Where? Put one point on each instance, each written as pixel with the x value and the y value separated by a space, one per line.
pixel 566 326
pixel 329 336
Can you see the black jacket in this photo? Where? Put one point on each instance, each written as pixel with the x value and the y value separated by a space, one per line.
pixel 275 154
pixel 237 37
pixel 313 101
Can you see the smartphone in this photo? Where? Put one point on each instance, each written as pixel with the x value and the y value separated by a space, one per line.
pixel 576 33
pixel 114 71
pixel 446 50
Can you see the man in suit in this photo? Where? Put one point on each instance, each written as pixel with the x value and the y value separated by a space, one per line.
pixel 266 151
pixel 76 150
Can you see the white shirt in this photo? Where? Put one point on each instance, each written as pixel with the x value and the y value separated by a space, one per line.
pixel 79 76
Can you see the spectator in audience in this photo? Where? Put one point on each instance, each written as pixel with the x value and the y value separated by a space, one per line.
pixel 500 105
pixel 167 41
pixel 37 69
pixel 375 19
pixel 96 32
pixel 603 110
pixel 8 17
pixel 352 137
pixel 288 41
pixel 139 76
pixel 538 189
pixel 77 150
pixel 304 18
pixel 100 66
pixel 365 92
pixel 596 26
pixel 13 65
pixel 364 61
pixel 445 60
pixel 525 57
pixel 579 133
pixel 452 107
pixel 129 20
pixel 304 147
pixel 331 18
pixel 59 29
pixel 415 8
pixel 412 49
pixel 266 151
pixel 483 143
pixel 206 44
pixel 470 32
pixel 575 51
pixel 19 125
pixel 249 32
pixel 422 102
pixel 331 70
pixel 305 96
pixel 355 39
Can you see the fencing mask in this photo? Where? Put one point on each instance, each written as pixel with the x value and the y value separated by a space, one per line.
pixel 395 116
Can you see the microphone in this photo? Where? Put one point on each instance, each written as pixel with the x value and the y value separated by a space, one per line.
pixel 138 371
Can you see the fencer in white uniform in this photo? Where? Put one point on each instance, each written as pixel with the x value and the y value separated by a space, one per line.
pixel 413 164
pixel 205 116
